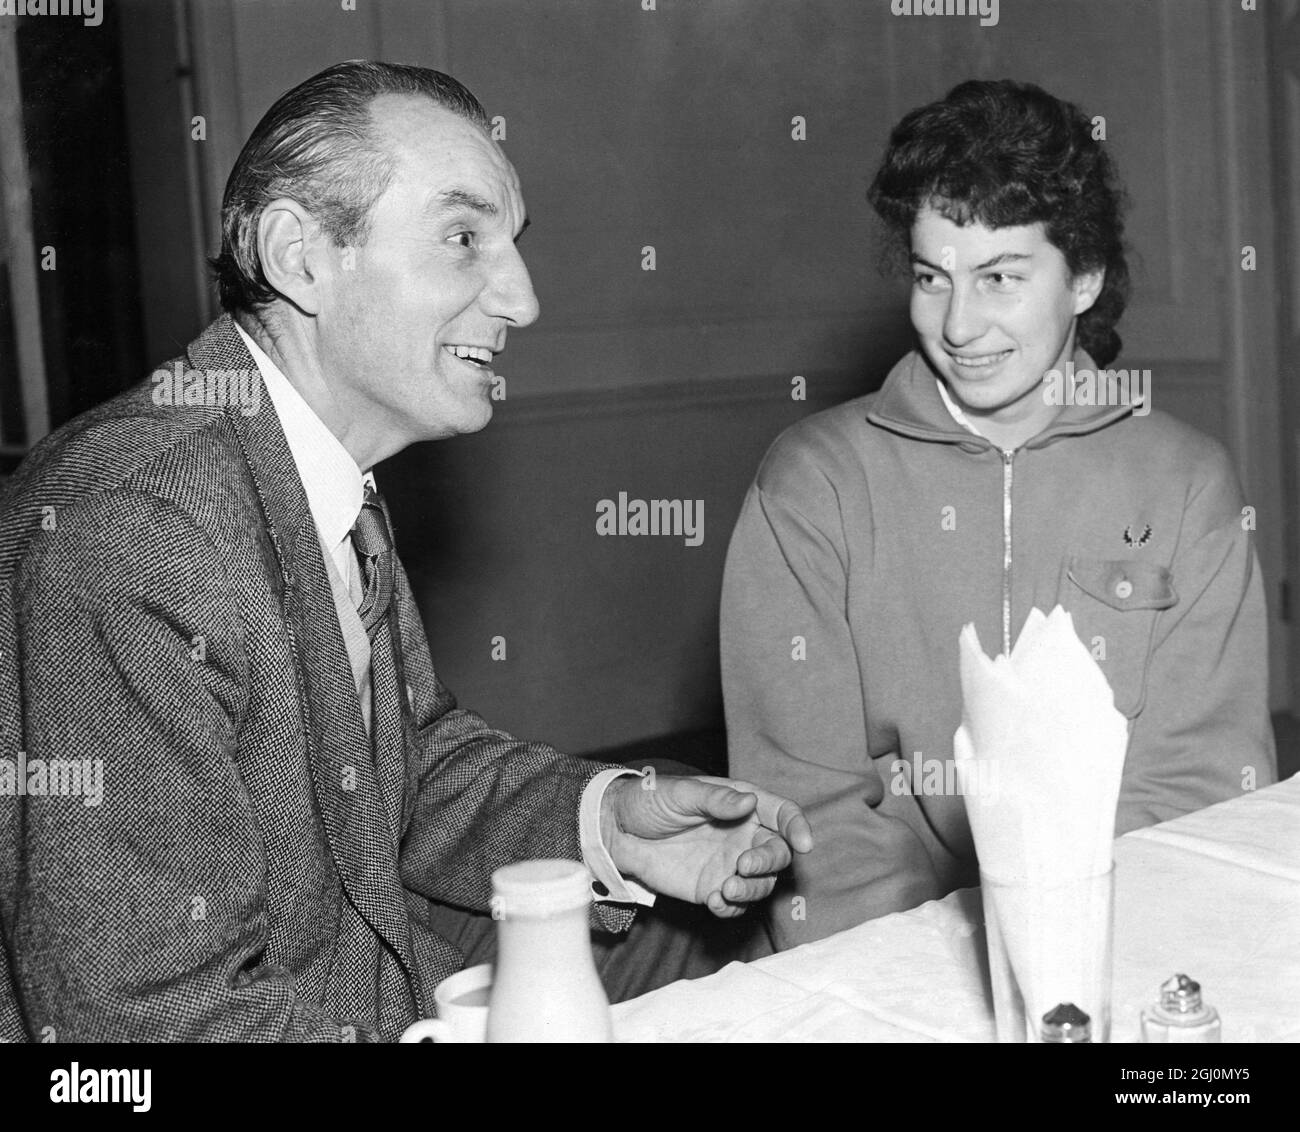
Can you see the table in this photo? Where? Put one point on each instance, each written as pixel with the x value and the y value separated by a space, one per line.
pixel 1214 894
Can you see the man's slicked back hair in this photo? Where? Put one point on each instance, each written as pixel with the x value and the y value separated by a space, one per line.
pixel 316 146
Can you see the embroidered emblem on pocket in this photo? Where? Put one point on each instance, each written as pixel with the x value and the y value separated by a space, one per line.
pixel 1141 540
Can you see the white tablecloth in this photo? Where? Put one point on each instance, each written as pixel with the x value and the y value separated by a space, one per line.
pixel 1215 894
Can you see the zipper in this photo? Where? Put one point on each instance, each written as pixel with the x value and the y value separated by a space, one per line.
pixel 1007 457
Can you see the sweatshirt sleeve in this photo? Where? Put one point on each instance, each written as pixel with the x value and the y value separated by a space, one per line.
pixel 1204 733
pixel 796 719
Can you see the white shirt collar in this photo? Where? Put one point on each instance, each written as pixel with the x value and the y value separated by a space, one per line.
pixel 334 484
pixel 954 409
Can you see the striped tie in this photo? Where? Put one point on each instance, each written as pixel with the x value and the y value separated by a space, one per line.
pixel 374 547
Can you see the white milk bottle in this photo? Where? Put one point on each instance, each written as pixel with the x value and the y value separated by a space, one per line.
pixel 546 987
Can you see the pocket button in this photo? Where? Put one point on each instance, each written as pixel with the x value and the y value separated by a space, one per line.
pixel 1123 589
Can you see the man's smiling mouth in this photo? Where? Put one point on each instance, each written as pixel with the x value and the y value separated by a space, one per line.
pixel 475 355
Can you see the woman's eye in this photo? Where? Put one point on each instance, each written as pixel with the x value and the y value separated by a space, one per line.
pixel 1002 279
pixel 927 282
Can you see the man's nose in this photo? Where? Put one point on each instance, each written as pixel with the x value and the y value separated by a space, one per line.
pixel 964 321
pixel 510 292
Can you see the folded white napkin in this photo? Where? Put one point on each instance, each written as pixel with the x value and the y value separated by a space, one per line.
pixel 1039 753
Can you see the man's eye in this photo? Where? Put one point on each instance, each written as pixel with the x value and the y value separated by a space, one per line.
pixel 464 239
pixel 1002 280
pixel 927 281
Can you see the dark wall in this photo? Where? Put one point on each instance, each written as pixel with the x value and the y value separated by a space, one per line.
pixel 674 128
pixel 82 212
pixel 608 639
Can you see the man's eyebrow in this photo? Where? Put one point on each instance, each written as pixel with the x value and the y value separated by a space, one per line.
pixel 996 261
pixel 451 200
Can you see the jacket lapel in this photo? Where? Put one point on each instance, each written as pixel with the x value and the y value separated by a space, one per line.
pixel 349 791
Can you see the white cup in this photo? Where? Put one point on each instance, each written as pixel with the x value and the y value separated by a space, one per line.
pixel 462 1002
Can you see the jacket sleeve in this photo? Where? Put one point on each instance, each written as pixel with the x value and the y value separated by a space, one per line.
pixel 1204 733
pixel 485 799
pixel 796 720
pixel 140 914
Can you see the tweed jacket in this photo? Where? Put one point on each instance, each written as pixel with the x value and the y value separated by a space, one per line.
pixel 256 868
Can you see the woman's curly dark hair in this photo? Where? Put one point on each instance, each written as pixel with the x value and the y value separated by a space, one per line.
pixel 1006 154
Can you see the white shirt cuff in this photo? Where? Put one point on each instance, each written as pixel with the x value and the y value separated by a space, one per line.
pixel 595 854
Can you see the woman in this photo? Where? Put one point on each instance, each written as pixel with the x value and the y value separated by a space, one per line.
pixel 975 486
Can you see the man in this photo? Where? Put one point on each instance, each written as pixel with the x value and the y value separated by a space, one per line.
pixel 204 604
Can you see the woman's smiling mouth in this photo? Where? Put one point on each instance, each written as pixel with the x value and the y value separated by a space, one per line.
pixel 979 361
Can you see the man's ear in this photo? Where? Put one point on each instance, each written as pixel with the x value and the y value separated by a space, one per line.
pixel 291 248
pixel 1087 286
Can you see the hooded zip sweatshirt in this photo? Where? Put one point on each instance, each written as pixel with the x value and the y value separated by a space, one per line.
pixel 875 530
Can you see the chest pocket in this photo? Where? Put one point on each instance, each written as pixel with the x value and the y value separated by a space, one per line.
pixel 1115 604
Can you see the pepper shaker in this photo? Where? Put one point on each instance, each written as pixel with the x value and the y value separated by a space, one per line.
pixel 1181 1015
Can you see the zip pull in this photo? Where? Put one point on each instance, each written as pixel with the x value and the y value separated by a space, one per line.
pixel 1008 455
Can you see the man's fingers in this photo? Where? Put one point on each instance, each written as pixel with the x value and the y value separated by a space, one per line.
pixel 777 813
pixel 711 798
pixel 718 905
pixel 783 816
pixel 768 856
pixel 795 829
pixel 747 890
pixel 773 811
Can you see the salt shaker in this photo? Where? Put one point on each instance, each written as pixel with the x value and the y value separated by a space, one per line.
pixel 1066 1024
pixel 1181 1015
pixel 546 988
